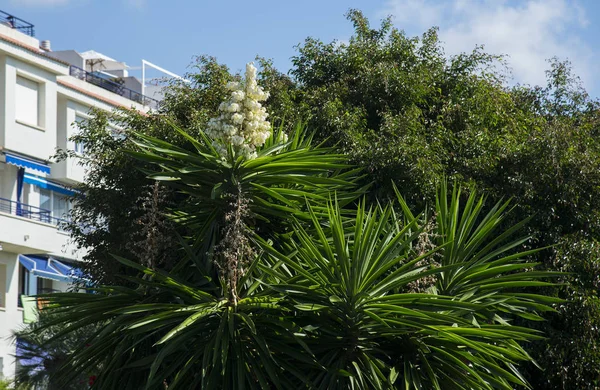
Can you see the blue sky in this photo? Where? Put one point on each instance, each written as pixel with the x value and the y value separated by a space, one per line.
pixel 170 32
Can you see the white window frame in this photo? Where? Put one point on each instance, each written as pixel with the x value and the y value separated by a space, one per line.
pixel 78 147
pixel 53 195
pixel 39 123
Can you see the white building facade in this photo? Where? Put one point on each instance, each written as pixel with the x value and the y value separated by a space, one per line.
pixel 42 97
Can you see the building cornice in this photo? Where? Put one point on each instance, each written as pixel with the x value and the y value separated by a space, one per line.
pixel 97 96
pixel 31 49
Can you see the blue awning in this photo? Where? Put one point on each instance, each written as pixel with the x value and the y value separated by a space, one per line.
pixel 43 183
pixel 48 268
pixel 24 162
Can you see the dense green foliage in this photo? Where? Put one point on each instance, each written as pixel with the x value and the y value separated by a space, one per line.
pixel 406 113
pixel 411 115
pixel 362 297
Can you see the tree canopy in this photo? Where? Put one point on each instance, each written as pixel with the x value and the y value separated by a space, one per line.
pixel 408 115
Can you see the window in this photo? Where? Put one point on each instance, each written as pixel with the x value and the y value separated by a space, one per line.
pixel 26 193
pixel 78 147
pixel 45 286
pixel 27 102
pixel 3 285
pixel 45 199
pixel 23 283
pixel 59 205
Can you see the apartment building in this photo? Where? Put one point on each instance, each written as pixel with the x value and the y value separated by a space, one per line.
pixel 43 94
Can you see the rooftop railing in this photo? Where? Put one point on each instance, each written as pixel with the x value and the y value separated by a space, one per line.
pixel 30 212
pixel 112 86
pixel 17 23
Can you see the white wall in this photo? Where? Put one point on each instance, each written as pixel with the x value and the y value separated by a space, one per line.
pixel 35 141
pixel 69 170
pixel 8 181
pixel 11 317
pixel 29 236
pixel 18 35
pixel 90 91
pixel 3 102
pixel 70 56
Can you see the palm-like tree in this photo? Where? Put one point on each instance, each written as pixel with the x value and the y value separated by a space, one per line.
pixel 290 281
pixel 385 305
pixel 229 196
pixel 331 297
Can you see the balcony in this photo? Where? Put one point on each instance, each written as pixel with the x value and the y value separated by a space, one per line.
pixel 17 23
pixel 112 86
pixel 29 229
pixel 30 212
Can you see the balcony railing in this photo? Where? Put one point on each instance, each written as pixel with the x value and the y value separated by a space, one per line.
pixel 17 23
pixel 30 212
pixel 112 86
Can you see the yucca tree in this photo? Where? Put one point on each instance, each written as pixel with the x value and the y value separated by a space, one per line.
pixel 341 303
pixel 374 300
pixel 227 196
pixel 229 200
pixel 276 184
pixel 290 281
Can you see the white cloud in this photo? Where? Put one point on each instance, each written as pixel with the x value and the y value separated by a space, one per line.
pixel 528 31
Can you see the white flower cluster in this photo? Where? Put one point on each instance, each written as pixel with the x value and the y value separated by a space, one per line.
pixel 243 120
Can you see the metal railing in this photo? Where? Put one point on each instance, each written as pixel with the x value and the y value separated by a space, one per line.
pixel 112 86
pixel 30 212
pixel 17 23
